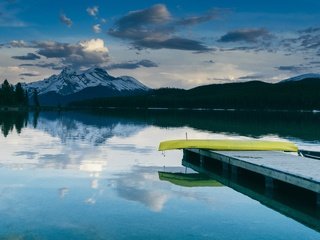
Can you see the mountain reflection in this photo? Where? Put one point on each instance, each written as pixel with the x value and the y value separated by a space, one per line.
pixel 96 127
pixel 93 129
pixel 68 140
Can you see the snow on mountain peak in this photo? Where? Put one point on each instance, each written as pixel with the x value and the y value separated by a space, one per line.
pixel 70 81
pixel 301 77
pixel 68 71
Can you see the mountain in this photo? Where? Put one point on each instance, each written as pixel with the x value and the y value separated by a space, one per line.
pixel 302 77
pixel 71 85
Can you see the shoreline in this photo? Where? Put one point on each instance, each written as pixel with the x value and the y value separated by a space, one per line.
pixel 68 108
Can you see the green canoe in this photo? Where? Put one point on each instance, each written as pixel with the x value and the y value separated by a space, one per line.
pixel 229 145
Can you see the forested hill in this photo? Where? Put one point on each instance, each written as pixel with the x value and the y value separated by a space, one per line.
pixel 291 95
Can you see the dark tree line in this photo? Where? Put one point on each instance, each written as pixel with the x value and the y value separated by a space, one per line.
pixel 11 95
pixel 300 95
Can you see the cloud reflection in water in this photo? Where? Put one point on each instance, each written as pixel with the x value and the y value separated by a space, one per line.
pixel 142 185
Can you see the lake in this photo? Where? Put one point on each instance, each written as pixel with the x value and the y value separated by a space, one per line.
pixel 95 175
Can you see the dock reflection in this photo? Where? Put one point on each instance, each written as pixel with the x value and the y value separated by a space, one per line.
pixel 290 201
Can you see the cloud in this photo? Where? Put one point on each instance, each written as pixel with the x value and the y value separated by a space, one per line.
pixel 83 54
pixel 194 20
pixel 310 30
pixel 93 11
pixel 310 41
pixel 306 41
pixel 29 56
pixel 173 43
pixel 251 77
pixel 18 44
pixel 29 74
pixel 242 48
pixel 43 65
pixel 96 28
pixel 155 28
pixel 147 63
pixel 143 24
pixel 64 19
pixel 314 62
pixel 157 14
pixel 245 35
pixel 291 68
pixel 132 65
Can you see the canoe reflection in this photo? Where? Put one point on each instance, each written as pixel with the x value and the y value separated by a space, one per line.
pixel 189 179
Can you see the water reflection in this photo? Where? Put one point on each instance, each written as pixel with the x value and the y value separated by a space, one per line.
pixel 141 185
pixel 63 192
pixel 12 120
pixel 188 179
pixel 93 129
pixel 96 127
pixel 59 168
pixel 293 202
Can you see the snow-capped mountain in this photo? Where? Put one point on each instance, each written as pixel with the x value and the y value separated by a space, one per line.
pixel 301 77
pixel 70 81
pixel 71 85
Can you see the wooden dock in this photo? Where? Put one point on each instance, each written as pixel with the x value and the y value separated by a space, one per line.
pixel 290 169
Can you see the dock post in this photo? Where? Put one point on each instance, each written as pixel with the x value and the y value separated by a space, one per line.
pixel 234 173
pixel 186 155
pixel 269 186
pixel 225 169
pixel 201 160
pixel 269 182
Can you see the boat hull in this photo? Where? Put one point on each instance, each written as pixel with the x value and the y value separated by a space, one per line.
pixel 229 145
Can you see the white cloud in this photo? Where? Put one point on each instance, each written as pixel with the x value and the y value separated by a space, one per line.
pixel 83 54
pixel 18 43
pixel 96 28
pixel 93 11
pixel 15 69
pixel 94 45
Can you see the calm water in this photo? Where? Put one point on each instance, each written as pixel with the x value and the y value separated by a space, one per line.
pixel 80 175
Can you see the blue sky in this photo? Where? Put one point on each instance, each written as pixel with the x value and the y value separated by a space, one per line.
pixel 161 43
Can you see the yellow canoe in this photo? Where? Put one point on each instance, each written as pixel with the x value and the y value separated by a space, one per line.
pixel 229 145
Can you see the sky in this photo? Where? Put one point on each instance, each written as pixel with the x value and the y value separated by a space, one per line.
pixel 161 43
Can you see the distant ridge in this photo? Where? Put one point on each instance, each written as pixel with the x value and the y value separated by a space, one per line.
pixel 254 95
pixel 302 77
